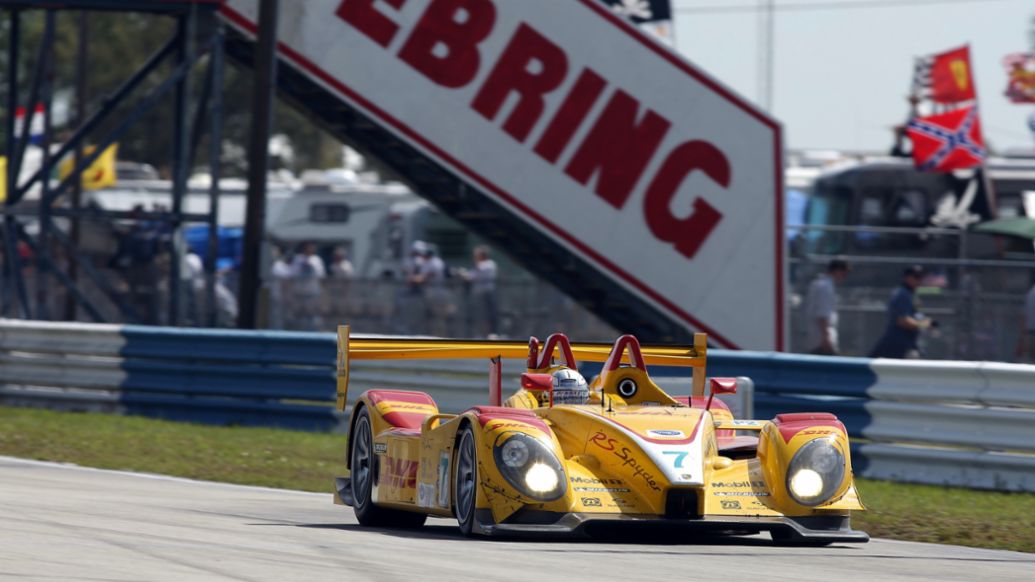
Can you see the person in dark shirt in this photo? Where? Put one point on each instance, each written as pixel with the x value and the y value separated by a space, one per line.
pixel 904 322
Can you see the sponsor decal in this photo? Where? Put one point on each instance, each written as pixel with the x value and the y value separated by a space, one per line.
pixel 591 501
pixel 380 448
pixel 739 484
pixel 443 479
pixel 745 422
pixel 398 473
pixel 671 434
pixel 602 489
pixel 408 406
pixel 730 504
pixel 740 493
pixel 425 494
pixel 500 424
pixel 626 457
pixel 595 481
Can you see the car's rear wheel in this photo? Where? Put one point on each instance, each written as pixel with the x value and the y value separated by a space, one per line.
pixel 364 465
pixel 465 482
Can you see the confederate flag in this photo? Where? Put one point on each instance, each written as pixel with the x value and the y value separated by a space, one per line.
pixel 947 141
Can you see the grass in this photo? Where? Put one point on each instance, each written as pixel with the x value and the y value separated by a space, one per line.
pixel 308 461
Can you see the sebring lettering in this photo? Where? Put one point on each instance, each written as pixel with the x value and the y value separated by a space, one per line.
pixel 445 47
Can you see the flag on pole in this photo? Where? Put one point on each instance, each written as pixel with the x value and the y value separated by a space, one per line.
pixel 99 174
pixel 947 141
pixel 1020 70
pixel 945 77
pixel 653 16
pixel 35 127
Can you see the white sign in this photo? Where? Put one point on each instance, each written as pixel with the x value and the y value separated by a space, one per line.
pixel 601 139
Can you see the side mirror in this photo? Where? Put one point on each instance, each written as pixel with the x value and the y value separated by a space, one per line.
pixel 724 385
pixel 721 386
pixel 538 383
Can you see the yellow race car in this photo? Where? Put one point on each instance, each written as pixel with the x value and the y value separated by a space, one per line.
pixel 562 455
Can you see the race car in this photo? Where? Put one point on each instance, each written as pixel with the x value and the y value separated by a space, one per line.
pixel 563 456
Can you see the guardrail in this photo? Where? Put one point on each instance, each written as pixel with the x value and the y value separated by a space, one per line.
pixel 959 423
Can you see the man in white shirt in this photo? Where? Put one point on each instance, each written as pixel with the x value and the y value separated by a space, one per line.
pixel 821 309
pixel 483 293
pixel 308 272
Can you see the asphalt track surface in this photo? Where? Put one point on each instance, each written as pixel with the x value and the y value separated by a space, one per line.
pixel 71 523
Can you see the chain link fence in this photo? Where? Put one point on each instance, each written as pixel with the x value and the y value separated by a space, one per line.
pixel 517 309
pixel 974 289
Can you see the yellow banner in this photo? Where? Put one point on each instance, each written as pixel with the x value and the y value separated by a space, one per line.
pixel 99 174
pixel 3 179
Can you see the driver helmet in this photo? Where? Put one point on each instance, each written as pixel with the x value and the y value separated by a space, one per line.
pixel 569 387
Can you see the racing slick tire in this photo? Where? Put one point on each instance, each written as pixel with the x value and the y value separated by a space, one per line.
pixel 465 482
pixel 364 467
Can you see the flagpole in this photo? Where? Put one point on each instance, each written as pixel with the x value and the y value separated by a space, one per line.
pixel 981 173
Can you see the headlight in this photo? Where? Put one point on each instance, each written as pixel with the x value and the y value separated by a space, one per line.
pixel 529 466
pixel 815 472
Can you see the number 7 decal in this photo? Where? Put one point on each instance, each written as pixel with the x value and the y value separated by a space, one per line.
pixel 680 455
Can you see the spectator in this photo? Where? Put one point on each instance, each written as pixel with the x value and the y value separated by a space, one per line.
pixel 308 272
pixel 193 274
pixel 904 321
pixel 1026 343
pixel 437 304
pixel 136 257
pixel 408 314
pixel 821 309
pixel 226 301
pixel 482 277
pixel 280 278
pixel 341 267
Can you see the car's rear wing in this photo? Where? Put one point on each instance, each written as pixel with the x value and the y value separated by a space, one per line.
pixel 350 348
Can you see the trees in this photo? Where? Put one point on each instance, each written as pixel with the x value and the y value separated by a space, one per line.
pixel 119 43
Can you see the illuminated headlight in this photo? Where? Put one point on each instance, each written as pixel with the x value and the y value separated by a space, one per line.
pixel 815 472
pixel 529 466
pixel 541 478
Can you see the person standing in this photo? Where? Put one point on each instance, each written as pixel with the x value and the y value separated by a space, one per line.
pixel 437 304
pixel 308 272
pixel 821 309
pixel 1026 343
pixel 900 339
pixel 341 266
pixel 483 292
pixel 281 273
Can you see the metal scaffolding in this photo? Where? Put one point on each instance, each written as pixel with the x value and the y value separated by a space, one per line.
pixel 198 40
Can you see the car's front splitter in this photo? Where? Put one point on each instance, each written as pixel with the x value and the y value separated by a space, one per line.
pixel 791 530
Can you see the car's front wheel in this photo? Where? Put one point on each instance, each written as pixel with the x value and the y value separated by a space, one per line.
pixel 465 482
pixel 364 466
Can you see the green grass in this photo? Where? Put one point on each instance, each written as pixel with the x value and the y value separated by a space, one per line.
pixel 309 461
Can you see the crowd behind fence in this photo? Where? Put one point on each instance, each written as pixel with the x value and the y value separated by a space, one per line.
pixel 525 307
pixel 976 302
pixel 974 289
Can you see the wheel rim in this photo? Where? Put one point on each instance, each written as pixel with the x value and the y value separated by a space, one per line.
pixel 465 476
pixel 362 462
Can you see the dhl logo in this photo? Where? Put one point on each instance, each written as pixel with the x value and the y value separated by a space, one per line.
pixel 391 406
pixel 398 473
